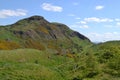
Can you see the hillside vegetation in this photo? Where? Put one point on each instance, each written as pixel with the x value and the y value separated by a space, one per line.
pixel 35 49
pixel 29 64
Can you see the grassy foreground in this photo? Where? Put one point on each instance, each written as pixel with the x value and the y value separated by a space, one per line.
pixel 29 64
pixel 100 62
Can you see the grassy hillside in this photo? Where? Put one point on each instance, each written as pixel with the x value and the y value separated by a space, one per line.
pixel 91 64
pixel 30 64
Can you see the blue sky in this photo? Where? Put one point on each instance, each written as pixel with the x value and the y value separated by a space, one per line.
pixel 99 20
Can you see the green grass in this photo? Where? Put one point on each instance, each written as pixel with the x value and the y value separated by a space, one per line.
pixel 94 62
pixel 32 64
pixel 29 64
pixel 4 35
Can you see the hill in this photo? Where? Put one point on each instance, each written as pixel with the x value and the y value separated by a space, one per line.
pixel 36 32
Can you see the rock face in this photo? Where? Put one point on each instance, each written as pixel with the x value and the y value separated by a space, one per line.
pixel 36 32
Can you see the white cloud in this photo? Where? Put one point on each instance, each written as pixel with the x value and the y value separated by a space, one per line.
pixel 79 26
pixel 118 23
pixel 115 24
pixel 92 19
pixel 50 7
pixel 98 37
pixel 9 13
pixel 82 22
pixel 99 7
pixel 95 19
pixel 106 20
pixel 84 26
pixel 116 19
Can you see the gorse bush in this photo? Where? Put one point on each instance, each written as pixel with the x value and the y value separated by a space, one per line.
pixel 8 45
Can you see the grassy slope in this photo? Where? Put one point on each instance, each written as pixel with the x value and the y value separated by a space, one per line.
pixel 91 64
pixel 30 64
